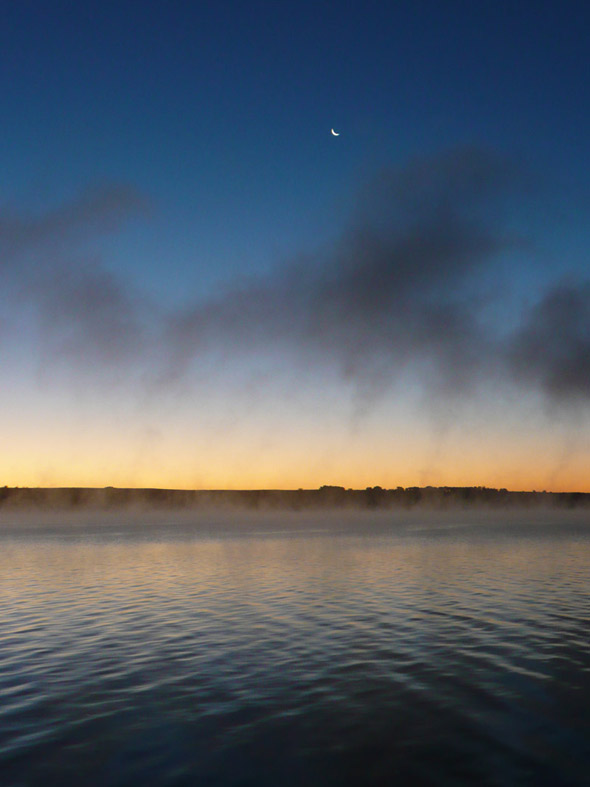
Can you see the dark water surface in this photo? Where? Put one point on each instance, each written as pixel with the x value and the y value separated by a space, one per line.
pixel 293 650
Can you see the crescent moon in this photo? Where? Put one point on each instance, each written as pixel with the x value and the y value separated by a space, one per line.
pixel 335 134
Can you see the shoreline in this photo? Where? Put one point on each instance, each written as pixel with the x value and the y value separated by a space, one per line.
pixel 324 498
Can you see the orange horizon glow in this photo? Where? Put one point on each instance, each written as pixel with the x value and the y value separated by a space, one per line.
pixel 252 469
pixel 275 446
pixel 75 481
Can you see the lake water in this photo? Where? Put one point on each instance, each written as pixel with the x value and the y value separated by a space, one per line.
pixel 294 649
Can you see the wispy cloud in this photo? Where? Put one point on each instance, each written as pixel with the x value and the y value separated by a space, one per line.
pixel 408 287
pixel 85 314
pixel 551 348
pixel 401 288
pixel 98 209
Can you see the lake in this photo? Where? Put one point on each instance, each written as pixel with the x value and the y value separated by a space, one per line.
pixel 295 649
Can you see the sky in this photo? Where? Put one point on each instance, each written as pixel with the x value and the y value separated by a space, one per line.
pixel 202 287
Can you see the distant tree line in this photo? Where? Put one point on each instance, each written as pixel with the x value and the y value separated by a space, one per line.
pixel 327 496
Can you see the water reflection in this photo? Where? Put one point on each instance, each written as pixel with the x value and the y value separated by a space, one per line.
pixel 269 655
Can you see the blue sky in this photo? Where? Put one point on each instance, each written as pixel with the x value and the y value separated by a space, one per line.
pixel 220 112
pixel 217 117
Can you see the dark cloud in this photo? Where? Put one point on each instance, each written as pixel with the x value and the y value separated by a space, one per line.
pixel 413 285
pixel 551 349
pixel 86 315
pixel 98 209
pixel 402 287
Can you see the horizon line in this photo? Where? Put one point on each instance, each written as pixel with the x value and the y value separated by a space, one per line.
pixel 327 487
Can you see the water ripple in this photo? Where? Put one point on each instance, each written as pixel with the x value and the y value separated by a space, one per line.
pixel 284 657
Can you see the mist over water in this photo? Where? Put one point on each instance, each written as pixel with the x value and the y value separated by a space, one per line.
pixel 276 648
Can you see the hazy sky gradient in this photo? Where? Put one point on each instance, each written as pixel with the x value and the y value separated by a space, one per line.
pixel 201 287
